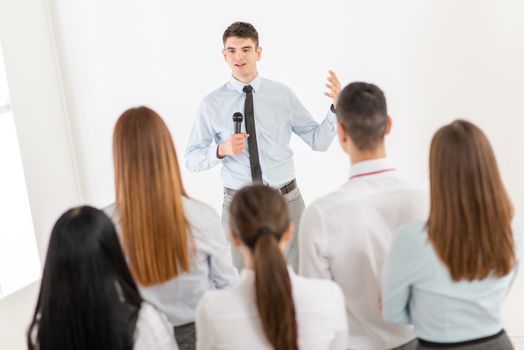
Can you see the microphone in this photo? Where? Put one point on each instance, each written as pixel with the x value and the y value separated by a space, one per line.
pixel 237 120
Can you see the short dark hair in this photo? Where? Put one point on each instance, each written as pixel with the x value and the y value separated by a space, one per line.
pixel 241 30
pixel 362 110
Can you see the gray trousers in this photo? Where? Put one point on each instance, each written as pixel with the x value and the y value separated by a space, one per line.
pixel 295 205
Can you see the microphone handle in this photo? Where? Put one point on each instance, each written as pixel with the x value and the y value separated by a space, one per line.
pixel 238 128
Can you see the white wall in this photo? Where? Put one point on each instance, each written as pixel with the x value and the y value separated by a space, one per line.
pixel 435 60
pixel 43 135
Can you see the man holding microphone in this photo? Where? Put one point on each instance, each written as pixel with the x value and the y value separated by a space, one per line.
pixel 271 112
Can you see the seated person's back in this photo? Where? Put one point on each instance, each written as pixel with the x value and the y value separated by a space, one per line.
pixel 271 307
pixel 345 235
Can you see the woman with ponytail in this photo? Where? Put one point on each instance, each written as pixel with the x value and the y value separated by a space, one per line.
pixel 271 307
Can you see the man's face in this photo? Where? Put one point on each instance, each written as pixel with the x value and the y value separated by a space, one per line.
pixel 241 54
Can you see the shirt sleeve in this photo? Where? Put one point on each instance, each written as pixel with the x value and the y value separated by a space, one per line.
pixel 397 280
pixel 153 330
pixel 312 243
pixel 317 136
pixel 221 269
pixel 341 322
pixel 203 327
pixel 201 148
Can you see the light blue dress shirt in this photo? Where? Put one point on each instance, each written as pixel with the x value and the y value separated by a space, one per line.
pixel 278 113
pixel 418 289
pixel 211 264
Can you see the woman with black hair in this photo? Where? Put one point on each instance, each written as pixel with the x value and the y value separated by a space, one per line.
pixel 88 299
pixel 270 307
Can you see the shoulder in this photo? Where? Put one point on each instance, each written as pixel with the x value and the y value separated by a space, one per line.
pixel 312 290
pixel 153 330
pixel 196 210
pixel 217 95
pixel 218 302
pixel 111 211
pixel 413 236
pixel 276 88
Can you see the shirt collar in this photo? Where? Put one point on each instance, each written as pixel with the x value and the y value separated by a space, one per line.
pixel 370 166
pixel 237 85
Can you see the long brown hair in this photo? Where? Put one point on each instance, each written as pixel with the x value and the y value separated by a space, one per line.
pixel 259 217
pixel 148 196
pixel 469 223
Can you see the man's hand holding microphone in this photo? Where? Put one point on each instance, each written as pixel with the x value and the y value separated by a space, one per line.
pixel 235 143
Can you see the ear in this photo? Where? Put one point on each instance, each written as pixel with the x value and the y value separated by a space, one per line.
pixel 236 240
pixel 224 54
pixel 342 136
pixel 388 125
pixel 258 52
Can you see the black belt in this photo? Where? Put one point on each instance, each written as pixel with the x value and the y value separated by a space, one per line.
pixel 290 186
pixel 431 344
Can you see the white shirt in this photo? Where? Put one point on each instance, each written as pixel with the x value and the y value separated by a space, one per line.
pixel 153 330
pixel 211 265
pixel 345 236
pixel 278 114
pixel 228 319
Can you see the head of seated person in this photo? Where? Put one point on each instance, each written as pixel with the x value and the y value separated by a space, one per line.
pixel 363 121
pixel 469 225
pixel 149 194
pixel 87 298
pixel 261 228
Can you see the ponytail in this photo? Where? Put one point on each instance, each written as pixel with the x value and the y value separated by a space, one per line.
pixel 273 294
pixel 259 217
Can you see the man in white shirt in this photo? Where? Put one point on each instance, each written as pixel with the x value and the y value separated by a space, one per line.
pixel 345 235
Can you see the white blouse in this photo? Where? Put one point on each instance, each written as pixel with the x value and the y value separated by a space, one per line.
pixel 153 330
pixel 228 319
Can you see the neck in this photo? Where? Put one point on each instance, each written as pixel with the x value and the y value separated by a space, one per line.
pixel 246 79
pixel 359 156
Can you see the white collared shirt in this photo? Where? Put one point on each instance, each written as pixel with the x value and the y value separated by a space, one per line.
pixel 345 236
pixel 228 318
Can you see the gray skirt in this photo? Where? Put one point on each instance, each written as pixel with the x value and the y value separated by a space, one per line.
pixel 185 336
pixel 499 341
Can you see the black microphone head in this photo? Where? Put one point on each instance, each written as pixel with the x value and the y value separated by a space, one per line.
pixel 238 117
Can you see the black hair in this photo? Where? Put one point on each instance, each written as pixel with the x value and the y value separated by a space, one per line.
pixel 87 298
pixel 362 110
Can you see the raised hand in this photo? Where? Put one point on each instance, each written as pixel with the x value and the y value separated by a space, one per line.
pixel 334 87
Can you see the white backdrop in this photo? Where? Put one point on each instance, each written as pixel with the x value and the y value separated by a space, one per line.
pixel 436 61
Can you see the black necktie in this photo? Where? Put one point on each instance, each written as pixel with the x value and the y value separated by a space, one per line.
pixel 256 172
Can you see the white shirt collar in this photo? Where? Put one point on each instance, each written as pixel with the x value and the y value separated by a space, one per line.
pixel 370 167
pixel 237 85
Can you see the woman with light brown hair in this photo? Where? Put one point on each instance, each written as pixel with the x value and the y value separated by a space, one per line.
pixel 174 245
pixel 271 307
pixel 449 276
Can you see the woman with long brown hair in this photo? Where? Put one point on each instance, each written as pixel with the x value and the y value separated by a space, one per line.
pixel 174 245
pixel 271 307
pixel 449 276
